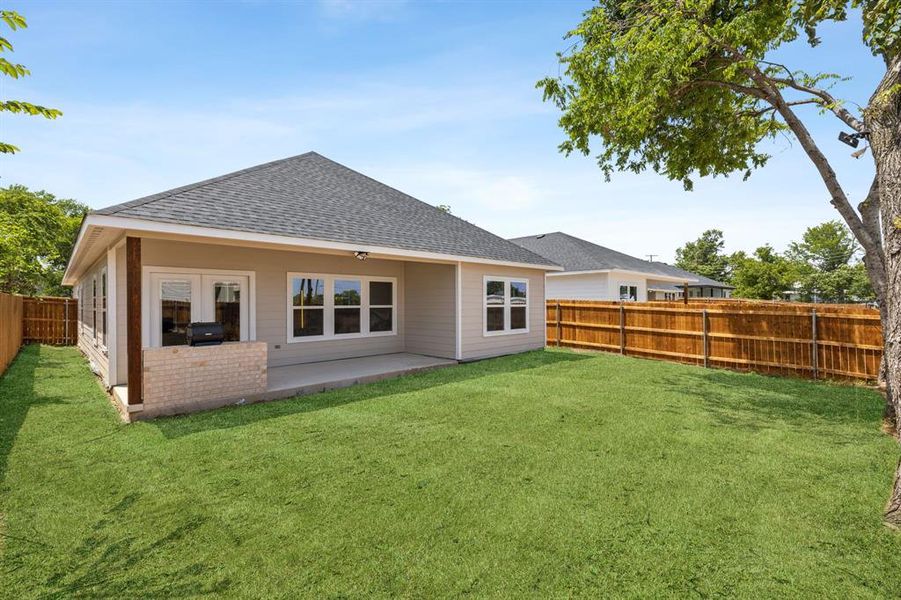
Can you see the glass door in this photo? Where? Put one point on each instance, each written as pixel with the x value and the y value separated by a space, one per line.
pixel 174 304
pixel 225 301
pixel 178 299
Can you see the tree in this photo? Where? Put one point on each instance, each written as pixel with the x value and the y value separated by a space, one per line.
pixel 765 275
pixel 705 256
pixel 16 21
pixel 829 266
pixel 37 232
pixel 690 89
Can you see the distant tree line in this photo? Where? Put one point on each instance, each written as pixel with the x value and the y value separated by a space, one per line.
pixel 825 265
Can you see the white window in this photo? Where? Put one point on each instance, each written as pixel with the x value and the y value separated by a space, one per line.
pixel 323 307
pixel 506 303
pixel 628 292
pixel 94 308
pixel 101 307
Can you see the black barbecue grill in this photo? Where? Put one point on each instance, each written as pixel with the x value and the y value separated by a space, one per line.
pixel 205 334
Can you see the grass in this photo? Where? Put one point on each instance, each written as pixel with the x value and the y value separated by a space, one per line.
pixel 545 474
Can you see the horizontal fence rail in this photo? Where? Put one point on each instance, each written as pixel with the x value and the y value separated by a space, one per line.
pixel 815 341
pixel 49 320
pixel 10 328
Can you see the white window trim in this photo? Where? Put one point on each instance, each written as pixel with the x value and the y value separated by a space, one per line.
pixel 93 287
pixel 148 270
pixel 634 284
pixel 507 305
pixel 100 341
pixel 328 307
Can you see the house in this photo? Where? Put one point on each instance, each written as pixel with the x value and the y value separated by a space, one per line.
pixel 702 287
pixel 593 272
pixel 319 275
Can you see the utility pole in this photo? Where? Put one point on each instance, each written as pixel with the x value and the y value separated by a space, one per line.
pixel 651 256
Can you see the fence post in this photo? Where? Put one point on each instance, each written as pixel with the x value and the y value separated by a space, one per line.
pixel 66 319
pixel 559 327
pixel 813 336
pixel 704 329
pixel 622 329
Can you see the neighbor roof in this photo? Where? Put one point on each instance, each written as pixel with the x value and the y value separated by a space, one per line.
pixel 309 196
pixel 576 254
pixel 701 280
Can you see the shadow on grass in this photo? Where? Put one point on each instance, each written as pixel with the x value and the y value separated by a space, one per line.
pixel 18 394
pixel 238 416
pixel 101 565
pixel 754 402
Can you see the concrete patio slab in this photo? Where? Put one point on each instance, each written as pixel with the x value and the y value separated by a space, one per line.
pixel 297 380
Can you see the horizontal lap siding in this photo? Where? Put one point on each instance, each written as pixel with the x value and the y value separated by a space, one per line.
pixel 271 268
pixel 579 287
pixel 430 310
pixel 474 343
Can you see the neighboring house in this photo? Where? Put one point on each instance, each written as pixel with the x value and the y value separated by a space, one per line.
pixel 703 287
pixel 592 272
pixel 302 260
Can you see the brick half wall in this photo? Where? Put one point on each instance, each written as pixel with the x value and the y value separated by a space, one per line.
pixel 183 379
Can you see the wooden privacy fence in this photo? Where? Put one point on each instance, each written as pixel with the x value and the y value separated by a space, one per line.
pixel 820 341
pixel 10 328
pixel 50 320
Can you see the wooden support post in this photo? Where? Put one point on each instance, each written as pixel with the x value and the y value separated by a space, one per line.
pixel 685 293
pixel 559 326
pixel 813 339
pixel 706 342
pixel 66 319
pixel 622 329
pixel 134 344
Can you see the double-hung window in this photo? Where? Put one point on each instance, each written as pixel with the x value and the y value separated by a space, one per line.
pixel 324 307
pixel 101 307
pixel 506 305
pixel 94 308
pixel 628 292
pixel 307 307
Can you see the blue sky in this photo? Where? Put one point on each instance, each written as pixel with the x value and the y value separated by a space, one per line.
pixel 434 98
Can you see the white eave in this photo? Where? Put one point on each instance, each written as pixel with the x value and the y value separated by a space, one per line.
pixel 94 225
pixel 654 276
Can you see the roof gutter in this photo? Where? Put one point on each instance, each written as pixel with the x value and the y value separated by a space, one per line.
pixel 149 226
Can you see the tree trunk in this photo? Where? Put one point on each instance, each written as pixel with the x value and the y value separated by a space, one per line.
pixel 883 119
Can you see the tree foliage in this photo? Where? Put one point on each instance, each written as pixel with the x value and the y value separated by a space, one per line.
pixel 766 275
pixel 657 81
pixel 705 256
pixel 37 232
pixel 15 21
pixel 829 266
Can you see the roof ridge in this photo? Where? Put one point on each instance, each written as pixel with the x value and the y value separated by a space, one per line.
pixel 144 200
pixel 431 206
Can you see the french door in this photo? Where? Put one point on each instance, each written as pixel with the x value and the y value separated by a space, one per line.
pixel 178 299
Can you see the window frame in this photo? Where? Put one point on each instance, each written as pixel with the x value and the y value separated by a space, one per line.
pixel 93 287
pixel 329 306
pixel 100 340
pixel 628 284
pixel 508 304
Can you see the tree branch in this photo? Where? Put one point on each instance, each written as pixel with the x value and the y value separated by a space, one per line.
pixel 827 101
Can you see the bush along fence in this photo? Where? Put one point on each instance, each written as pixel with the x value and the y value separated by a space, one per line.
pixel 43 320
pixel 814 341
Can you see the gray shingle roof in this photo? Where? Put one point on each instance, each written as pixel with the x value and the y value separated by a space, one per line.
pixel 576 254
pixel 310 196
pixel 702 281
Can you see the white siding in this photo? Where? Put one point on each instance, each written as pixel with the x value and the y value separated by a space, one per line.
pixel 592 286
pixel 475 344
pixel 430 312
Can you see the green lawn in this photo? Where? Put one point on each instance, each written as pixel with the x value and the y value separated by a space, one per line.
pixel 546 474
